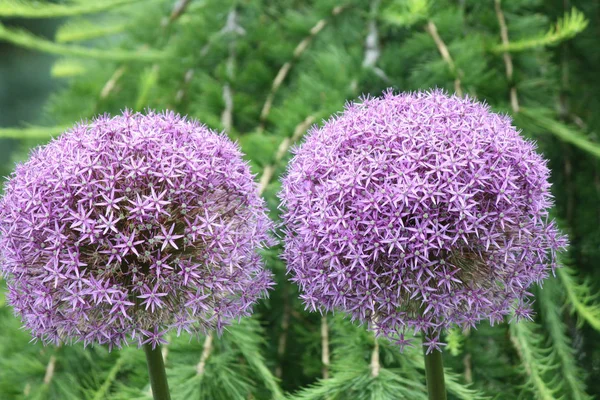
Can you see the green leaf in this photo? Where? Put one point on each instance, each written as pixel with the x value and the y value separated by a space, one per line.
pixel 25 39
pixel 567 27
pixel 38 9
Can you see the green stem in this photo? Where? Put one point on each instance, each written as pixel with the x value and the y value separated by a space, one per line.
pixel 158 375
pixel 434 371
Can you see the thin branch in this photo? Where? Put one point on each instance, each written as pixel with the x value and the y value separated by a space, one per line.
pixel 282 151
pixel 227 114
pixel 468 368
pixel 375 364
pixel 178 10
pixel 50 370
pixel 285 69
pixel 372 47
pixel 112 82
pixel 514 101
pixel 206 350
pixel 443 49
pixel 187 78
pixel 325 347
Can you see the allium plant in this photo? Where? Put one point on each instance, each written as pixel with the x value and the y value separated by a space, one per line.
pixel 126 227
pixel 415 212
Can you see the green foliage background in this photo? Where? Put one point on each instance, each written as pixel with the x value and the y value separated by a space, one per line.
pixel 264 71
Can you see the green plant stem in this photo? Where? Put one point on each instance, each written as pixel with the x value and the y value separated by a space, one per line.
pixel 158 375
pixel 434 372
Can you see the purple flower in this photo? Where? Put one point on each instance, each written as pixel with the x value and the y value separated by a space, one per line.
pixel 414 212
pixel 130 226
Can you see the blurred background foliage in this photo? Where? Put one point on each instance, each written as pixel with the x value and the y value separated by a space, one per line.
pixel 264 71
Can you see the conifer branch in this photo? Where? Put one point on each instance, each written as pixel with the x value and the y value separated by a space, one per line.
pixel 231 27
pixel 36 9
pixel 407 12
pixel 110 378
pixel 540 118
pixel 445 53
pixel 285 69
pixel 151 76
pixel 454 341
pixel 565 28
pixel 269 170
pixel 148 80
pixel 514 101
pixel 572 377
pixel 536 360
pixel 177 12
pixel 248 337
pixel 27 40
pixel 64 68
pixel 32 132
pixel 581 298
pixel 80 30
pixel 206 351
pixel 564 114
pixel 325 347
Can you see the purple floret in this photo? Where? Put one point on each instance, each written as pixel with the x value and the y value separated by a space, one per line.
pixel 415 212
pixel 130 226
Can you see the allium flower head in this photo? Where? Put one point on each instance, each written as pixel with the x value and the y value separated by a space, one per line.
pixel 417 211
pixel 131 226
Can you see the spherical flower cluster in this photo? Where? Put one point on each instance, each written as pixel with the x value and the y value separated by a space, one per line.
pixel 417 211
pixel 130 226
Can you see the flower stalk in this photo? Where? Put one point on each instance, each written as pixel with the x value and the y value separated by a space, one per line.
pixel 156 370
pixel 434 373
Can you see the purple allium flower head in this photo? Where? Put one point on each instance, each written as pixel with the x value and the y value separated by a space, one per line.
pixel 414 212
pixel 131 226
